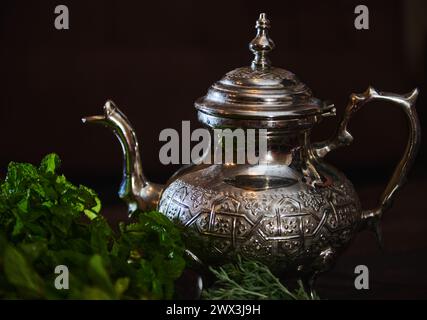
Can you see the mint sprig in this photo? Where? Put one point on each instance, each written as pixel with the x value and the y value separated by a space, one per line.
pixel 45 221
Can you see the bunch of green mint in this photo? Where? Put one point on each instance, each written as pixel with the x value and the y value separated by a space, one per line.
pixel 46 221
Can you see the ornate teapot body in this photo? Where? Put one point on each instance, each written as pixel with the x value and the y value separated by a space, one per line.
pixel 293 211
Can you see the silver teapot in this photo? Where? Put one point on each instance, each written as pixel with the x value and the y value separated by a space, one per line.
pixel 294 212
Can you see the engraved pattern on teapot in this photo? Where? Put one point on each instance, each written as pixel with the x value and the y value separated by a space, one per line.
pixel 282 223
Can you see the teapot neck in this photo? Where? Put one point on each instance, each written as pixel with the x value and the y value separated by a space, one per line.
pixel 284 146
pixel 294 150
pixel 269 147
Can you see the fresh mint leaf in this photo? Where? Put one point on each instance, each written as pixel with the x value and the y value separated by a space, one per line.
pixel 42 226
pixel 50 164
pixel 20 273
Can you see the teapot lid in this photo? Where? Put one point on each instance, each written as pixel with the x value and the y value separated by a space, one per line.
pixel 260 91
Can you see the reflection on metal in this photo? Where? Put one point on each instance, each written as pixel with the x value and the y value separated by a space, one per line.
pixel 259 182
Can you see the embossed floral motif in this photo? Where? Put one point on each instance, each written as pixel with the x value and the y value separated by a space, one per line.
pixel 242 227
pixel 248 73
pixel 339 194
pixel 287 205
pixel 309 225
pixel 223 225
pixel 226 204
pixel 199 198
pixel 181 193
pixel 311 199
pixel 270 227
pixel 203 222
pixel 290 226
pixel 255 205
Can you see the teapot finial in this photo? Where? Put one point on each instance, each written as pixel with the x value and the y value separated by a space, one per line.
pixel 261 44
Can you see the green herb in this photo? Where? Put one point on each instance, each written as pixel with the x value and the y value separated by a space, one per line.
pixel 249 279
pixel 42 225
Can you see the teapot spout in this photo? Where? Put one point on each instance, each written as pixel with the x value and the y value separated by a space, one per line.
pixel 135 189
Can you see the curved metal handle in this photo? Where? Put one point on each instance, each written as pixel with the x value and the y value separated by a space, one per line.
pixel 343 138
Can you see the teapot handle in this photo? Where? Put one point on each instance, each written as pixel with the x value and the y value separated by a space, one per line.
pixel 344 138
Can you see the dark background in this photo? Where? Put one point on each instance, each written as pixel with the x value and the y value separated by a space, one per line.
pixel 154 58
